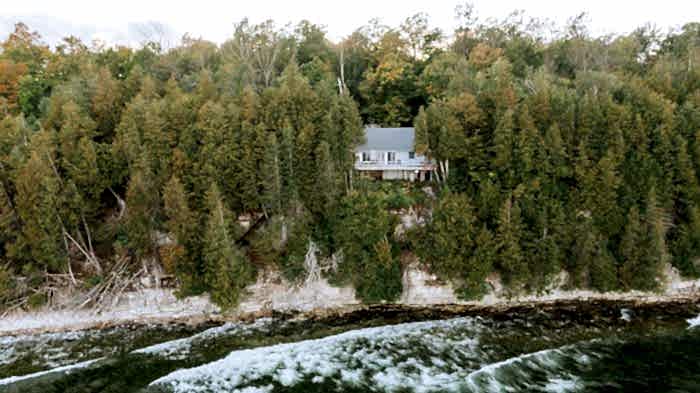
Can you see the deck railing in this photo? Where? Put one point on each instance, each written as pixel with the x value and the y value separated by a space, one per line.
pixel 379 162
pixel 393 165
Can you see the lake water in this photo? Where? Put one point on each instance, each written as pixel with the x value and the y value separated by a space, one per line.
pixel 604 347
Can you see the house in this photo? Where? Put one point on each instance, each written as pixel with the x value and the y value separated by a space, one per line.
pixel 388 154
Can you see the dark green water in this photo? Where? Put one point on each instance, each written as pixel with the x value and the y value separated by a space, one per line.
pixel 603 347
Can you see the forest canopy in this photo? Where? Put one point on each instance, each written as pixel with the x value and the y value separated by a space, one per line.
pixel 556 150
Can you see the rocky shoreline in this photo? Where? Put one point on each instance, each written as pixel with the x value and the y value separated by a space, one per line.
pixel 577 310
pixel 273 296
pixel 582 310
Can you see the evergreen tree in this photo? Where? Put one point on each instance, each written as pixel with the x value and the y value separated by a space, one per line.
pixel 271 182
pixel 592 263
pixel 227 270
pixel 40 239
pixel 511 260
pixel 503 144
pixel 361 226
pixel 658 222
pixel 288 186
pixel 325 191
pixel 548 243
pixel 381 280
pixel 528 145
pixel 686 245
pixel 455 247
pixel 142 203
pixel 347 134
pixel 78 156
pixel 632 250
pixel 247 185
pixel 106 103
pixel 182 257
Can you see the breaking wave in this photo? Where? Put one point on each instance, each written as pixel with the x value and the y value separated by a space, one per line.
pixel 64 369
pixel 49 347
pixel 180 349
pixel 437 356
pixel 550 370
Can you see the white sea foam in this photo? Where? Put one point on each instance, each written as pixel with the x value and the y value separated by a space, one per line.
pixel 373 357
pixel 694 322
pixel 438 356
pixel 64 369
pixel 255 389
pixel 548 361
pixel 50 347
pixel 179 349
pixel 559 385
pixel 626 314
pixel 486 376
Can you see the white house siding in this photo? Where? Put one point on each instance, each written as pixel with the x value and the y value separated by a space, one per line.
pixel 402 168
pixel 399 141
pixel 379 159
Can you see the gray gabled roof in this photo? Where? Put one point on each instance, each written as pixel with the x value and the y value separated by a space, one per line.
pixel 388 139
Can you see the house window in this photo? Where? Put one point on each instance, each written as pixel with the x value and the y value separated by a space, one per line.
pixel 365 156
pixel 411 155
pixel 391 156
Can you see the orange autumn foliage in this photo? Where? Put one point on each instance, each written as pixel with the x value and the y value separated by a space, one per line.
pixel 10 74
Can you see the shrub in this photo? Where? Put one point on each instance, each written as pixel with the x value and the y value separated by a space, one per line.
pixel 7 285
pixel 36 300
pixel 399 199
pixel 291 262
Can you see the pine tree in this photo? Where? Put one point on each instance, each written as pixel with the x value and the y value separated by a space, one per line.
pixel 658 222
pixel 511 259
pixel 216 154
pixel 158 143
pixel 8 220
pixel 686 245
pixel 381 280
pixel 556 152
pixel 685 180
pixel 206 89
pixel 361 222
pixel 271 181
pixel 227 270
pixel 480 265
pixel 643 246
pixel 181 220
pixel 632 249
pixel 346 135
pixel 181 258
pixel 602 268
pixel 305 166
pixel 288 190
pixel 528 145
pixel 40 242
pixel 324 192
pixel 128 141
pixel 248 162
pixel 142 202
pixel 503 144
pixel 548 243
pixel 603 195
pixel 106 103
pixel 449 237
pixel 592 264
